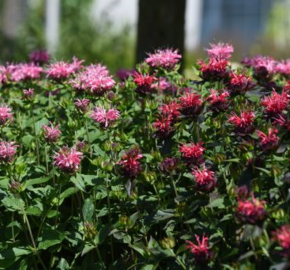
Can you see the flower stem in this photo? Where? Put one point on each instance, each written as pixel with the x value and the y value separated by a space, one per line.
pixel 36 139
pixel 110 217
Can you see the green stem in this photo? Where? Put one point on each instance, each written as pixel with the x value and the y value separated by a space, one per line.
pixel 58 201
pixel 88 138
pixel 110 217
pixel 36 139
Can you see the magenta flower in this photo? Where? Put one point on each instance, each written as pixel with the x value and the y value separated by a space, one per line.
pixel 240 83
pixel 214 70
pixel 130 162
pixel 205 179
pixel 244 123
pixel 192 153
pixel 105 117
pixel 251 211
pixel 82 104
pixel 191 104
pixel 282 236
pixel 283 67
pixel 7 151
pixel 144 83
pixel 68 160
pixel 201 251
pixel 163 127
pixel 268 141
pixel 166 59
pixel 51 134
pixel 3 75
pixel 124 74
pixel 28 93
pixel 5 114
pixel 39 57
pixel 24 71
pixel 218 101
pixel 220 51
pixel 170 110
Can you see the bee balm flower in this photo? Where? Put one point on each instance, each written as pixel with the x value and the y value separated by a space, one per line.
pixel 7 151
pixel 205 180
pixel 5 114
pixel 220 51
pixel 130 162
pixel 270 141
pixel 105 117
pixel 282 236
pixel 244 123
pixel 166 59
pixel 51 133
pixel 82 104
pixel 192 153
pixel 191 104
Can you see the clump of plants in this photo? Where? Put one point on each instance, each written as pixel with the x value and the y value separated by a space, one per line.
pixel 146 170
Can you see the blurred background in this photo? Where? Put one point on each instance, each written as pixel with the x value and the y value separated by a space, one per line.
pixel 118 33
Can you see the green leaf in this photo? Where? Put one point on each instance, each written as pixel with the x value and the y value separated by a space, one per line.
pixel 218 203
pixel 63 264
pixel 88 210
pixel 39 180
pixel 87 249
pixel 15 252
pixel 67 193
pixel 32 210
pixel 13 204
pixel 50 238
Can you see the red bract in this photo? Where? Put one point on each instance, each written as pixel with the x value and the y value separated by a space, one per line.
pixel 163 127
pixel 144 83
pixel 201 251
pixel 214 70
pixel 7 151
pixel 105 117
pixel 166 59
pixel 68 160
pixel 191 104
pixel 220 51
pixel 275 104
pixel 244 123
pixel 251 212
pixel 240 83
pixel 218 101
pixel 51 134
pixel 39 57
pixel 5 114
pixel 268 141
pixel 130 162
pixel 282 236
pixel 82 104
pixel 192 153
pixel 205 179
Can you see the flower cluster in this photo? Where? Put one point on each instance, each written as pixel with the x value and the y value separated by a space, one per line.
pixel 218 101
pixel 205 179
pixel 105 117
pixel 144 83
pixel 130 163
pixel 5 114
pixel 51 134
pixel 7 151
pixel 244 123
pixel 201 251
pixel 191 103
pixel 166 59
pixel 192 153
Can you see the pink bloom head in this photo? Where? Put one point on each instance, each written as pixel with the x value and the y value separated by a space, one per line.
pixel 192 153
pixel 163 127
pixel 39 57
pixel 130 162
pixel 240 83
pixel 275 104
pixel 7 151
pixel 205 179
pixel 191 104
pixel 144 83
pixel 220 51
pixel 23 72
pixel 283 67
pixel 28 93
pixel 215 70
pixel 218 101
pixel 5 114
pixel 82 104
pixel 268 141
pixel 105 117
pixel 170 110
pixel 282 236
pixel 244 123
pixel 166 59
pixel 68 160
pixel 201 251
pixel 51 133
pixel 251 211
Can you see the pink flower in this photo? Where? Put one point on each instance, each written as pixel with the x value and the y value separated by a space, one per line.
pixel 144 83
pixel 205 180
pixel 275 104
pixel 24 71
pixel 166 59
pixel 192 153
pixel 5 114
pixel 191 104
pixel 251 212
pixel 51 133
pixel 244 123
pixel 218 101
pixel 282 236
pixel 214 70
pixel 283 67
pixel 3 75
pixel 95 79
pixel 220 51
pixel 7 151
pixel 282 121
pixel 270 141
pixel 130 162
pixel 68 160
pixel 28 93
pixel 163 127
pixel 39 57
pixel 170 110
pixel 240 83
pixel 82 104
pixel 105 117
pixel 201 251
pixel 163 85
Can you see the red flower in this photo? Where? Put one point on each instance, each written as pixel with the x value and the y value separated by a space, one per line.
pixel 163 127
pixel 191 104
pixel 275 104
pixel 144 83
pixel 282 121
pixel 214 70
pixel 243 124
pixel 171 110
pixel 270 141
pixel 240 82
pixel 192 153
pixel 201 252
pixel 251 212
pixel 282 236
pixel 218 101
pixel 205 180
pixel 130 164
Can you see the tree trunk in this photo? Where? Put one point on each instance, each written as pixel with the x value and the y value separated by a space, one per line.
pixel 160 25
